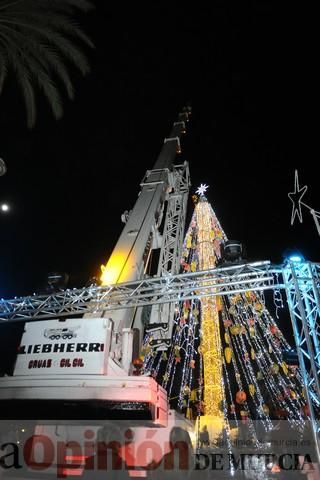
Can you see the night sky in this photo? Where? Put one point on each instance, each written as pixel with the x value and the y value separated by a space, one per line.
pixel 249 73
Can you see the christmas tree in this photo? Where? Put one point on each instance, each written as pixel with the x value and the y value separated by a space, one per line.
pixel 226 361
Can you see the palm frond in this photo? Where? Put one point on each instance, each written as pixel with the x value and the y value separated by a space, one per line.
pixel 50 91
pixel 50 35
pixel 47 5
pixel 84 5
pixel 27 89
pixel 62 23
pixel 60 69
pixel 8 4
pixel 3 70
pixel 48 57
pixel 55 21
pixel 34 68
pixel 37 38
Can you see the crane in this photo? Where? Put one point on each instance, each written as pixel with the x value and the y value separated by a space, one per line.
pixel 89 360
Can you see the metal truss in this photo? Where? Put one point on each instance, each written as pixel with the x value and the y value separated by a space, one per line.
pixel 302 284
pixel 300 280
pixel 173 231
pixel 149 291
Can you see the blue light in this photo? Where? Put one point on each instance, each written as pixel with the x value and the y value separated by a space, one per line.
pixel 296 258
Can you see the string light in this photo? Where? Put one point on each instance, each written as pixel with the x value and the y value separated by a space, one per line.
pixel 210 343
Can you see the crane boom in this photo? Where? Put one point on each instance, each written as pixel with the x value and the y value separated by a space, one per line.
pixel 163 195
pixel 126 262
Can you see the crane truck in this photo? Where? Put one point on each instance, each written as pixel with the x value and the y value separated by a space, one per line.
pixel 82 367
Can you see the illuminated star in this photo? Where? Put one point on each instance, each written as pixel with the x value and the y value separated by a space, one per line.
pixel 202 189
pixel 296 197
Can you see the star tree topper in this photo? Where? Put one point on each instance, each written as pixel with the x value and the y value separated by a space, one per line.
pixel 202 189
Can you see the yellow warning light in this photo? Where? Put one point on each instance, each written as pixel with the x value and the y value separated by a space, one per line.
pixel 113 269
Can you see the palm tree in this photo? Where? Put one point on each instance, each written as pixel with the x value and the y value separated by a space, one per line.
pixel 37 40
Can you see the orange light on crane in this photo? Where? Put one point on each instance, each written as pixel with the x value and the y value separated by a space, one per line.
pixel 112 271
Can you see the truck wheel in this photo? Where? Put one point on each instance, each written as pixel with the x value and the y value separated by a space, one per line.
pixel 57 337
pixel 52 337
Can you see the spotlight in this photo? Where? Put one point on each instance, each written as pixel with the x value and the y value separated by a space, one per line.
pixel 232 251
pixel 296 258
pixel 57 280
pixel 293 255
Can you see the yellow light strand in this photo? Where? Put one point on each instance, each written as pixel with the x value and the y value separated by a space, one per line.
pixel 210 338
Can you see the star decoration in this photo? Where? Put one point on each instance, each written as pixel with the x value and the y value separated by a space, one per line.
pixel 202 189
pixel 295 198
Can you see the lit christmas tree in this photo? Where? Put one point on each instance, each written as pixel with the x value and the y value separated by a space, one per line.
pixel 226 360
